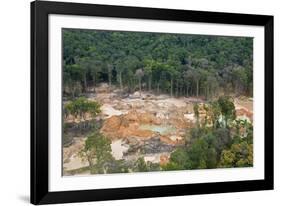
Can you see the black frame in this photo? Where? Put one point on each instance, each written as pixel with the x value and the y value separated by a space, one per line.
pixel 39 102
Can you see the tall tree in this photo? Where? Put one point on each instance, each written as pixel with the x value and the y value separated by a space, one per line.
pixel 139 73
pixel 148 69
pixel 227 109
pixel 97 151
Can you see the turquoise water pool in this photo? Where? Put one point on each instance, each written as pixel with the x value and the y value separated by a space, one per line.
pixel 162 129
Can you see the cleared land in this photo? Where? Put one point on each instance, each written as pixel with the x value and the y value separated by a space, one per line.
pixel 140 125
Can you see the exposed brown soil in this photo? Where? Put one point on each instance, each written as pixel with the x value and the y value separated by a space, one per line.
pixel 123 116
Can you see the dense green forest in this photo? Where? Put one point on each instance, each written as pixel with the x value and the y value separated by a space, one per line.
pixel 176 64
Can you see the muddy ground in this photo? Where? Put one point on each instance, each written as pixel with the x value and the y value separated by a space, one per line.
pixel 141 124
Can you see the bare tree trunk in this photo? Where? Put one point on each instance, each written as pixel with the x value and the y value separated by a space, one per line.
pixel 140 85
pixel 120 81
pixel 109 75
pixel 149 83
pixel 94 81
pixel 180 90
pixel 91 165
pixel 72 90
pixel 158 85
pixel 171 87
pixel 177 90
pixel 85 83
pixel 197 88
